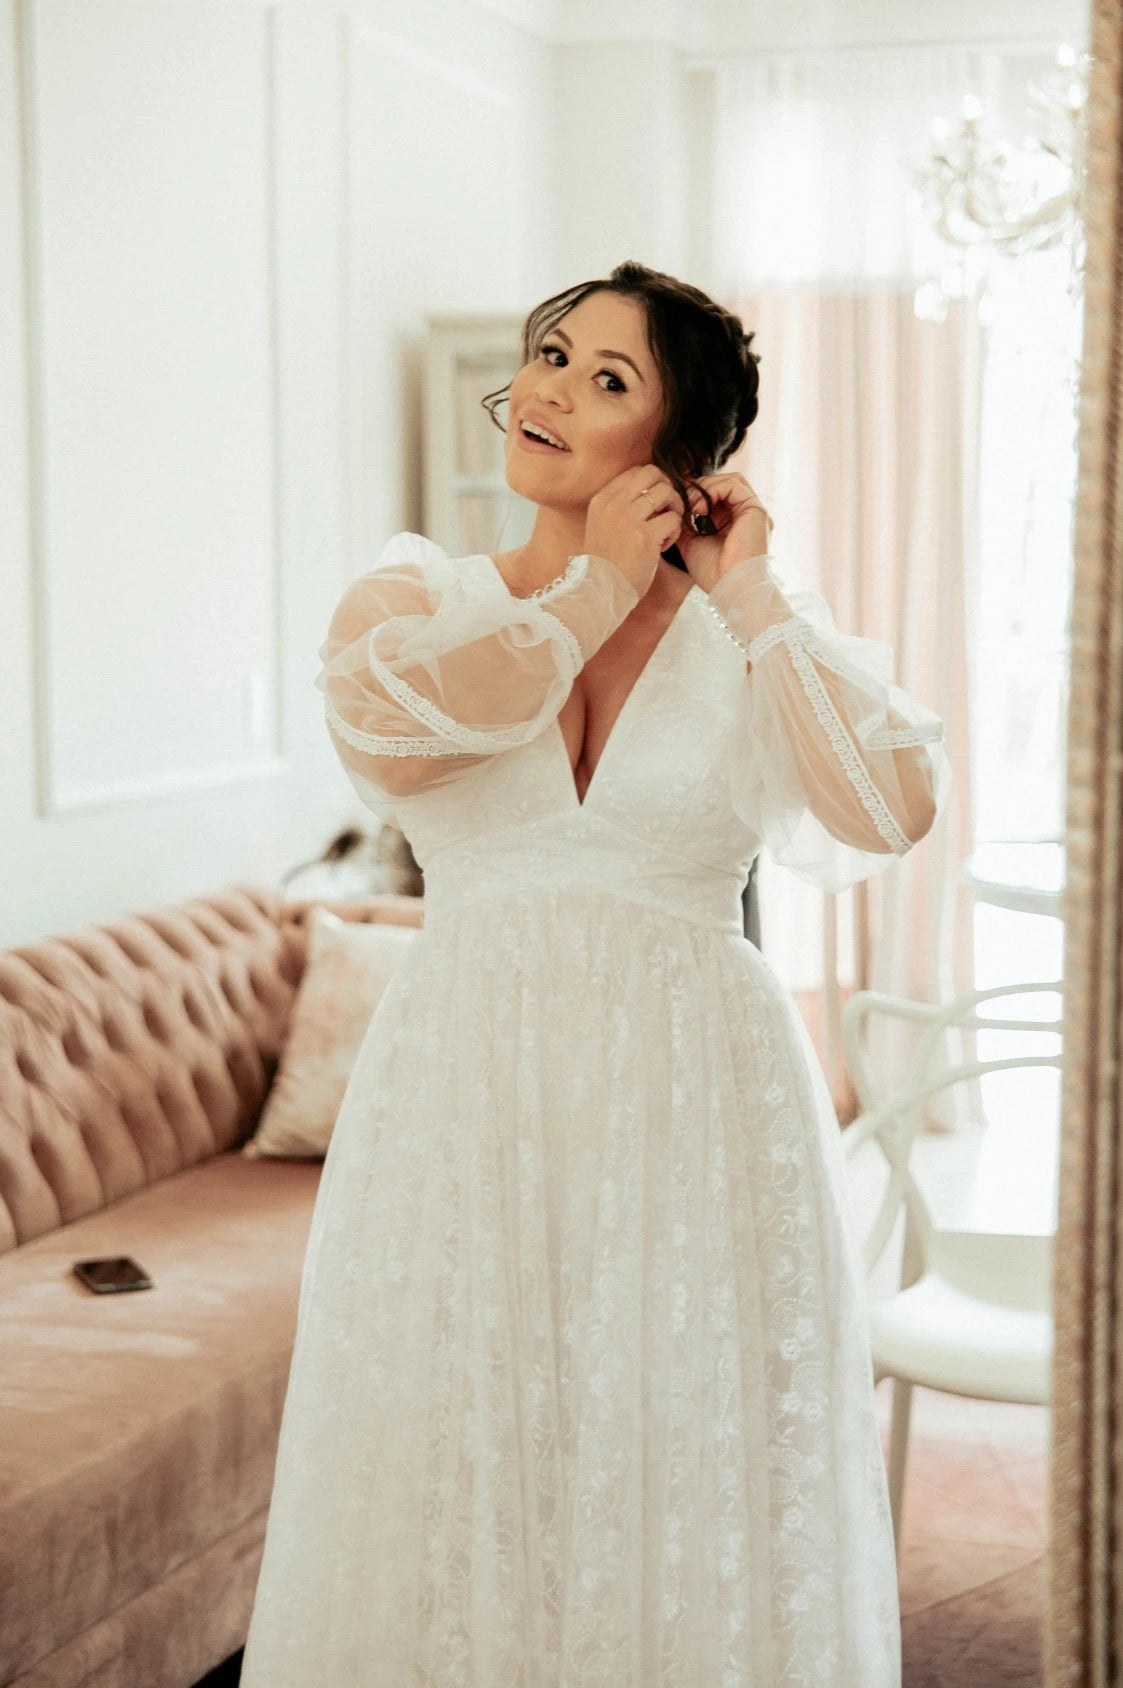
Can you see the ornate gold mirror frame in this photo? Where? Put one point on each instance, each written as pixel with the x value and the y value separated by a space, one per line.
pixel 1084 1611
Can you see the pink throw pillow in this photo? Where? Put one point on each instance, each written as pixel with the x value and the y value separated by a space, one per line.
pixel 348 967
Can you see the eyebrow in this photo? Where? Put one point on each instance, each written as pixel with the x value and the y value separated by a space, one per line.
pixel 603 353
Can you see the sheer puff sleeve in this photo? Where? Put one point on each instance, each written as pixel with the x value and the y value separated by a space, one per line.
pixel 431 665
pixel 835 769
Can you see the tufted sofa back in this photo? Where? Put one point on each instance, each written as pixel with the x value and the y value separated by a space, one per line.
pixel 130 1051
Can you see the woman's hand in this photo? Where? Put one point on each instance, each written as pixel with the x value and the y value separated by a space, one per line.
pixel 745 528
pixel 632 519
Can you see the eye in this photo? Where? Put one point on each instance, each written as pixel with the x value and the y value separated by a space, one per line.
pixel 544 352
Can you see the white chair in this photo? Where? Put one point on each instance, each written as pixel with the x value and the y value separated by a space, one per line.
pixel 973 1311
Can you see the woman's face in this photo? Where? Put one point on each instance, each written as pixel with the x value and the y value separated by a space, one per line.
pixel 593 386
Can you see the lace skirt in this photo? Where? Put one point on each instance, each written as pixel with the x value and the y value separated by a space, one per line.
pixel 581 1395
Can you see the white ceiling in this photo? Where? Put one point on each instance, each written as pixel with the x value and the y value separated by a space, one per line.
pixel 709 29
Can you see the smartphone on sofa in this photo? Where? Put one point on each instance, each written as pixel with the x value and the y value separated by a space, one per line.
pixel 110 1275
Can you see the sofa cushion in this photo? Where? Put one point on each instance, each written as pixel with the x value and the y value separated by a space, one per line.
pixel 137 1430
pixel 348 968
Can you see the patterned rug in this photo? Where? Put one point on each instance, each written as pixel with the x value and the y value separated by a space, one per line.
pixel 973 1542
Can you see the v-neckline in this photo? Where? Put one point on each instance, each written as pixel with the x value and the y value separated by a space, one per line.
pixel 658 649
pixel 555 726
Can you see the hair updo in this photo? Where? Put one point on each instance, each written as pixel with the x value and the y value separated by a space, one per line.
pixel 705 361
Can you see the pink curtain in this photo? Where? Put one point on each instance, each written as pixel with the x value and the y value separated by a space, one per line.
pixel 865 451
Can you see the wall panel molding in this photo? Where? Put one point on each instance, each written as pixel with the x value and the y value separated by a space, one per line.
pixel 57 791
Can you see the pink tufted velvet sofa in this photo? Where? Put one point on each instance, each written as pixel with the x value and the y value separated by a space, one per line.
pixel 138 1432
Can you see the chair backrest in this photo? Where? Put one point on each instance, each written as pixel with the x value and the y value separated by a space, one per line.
pixel 893 1120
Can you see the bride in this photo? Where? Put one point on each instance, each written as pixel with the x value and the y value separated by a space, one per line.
pixel 581 1392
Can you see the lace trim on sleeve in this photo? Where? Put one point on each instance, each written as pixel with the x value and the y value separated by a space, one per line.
pixel 881 738
pixel 461 738
pixel 843 746
pixel 569 644
pixel 376 746
pixel 903 738
pixel 796 630
pixel 572 575
pixel 424 709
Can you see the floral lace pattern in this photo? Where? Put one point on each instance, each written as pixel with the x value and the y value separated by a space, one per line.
pixel 581 1395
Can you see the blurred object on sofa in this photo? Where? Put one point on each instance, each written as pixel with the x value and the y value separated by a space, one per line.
pixel 357 864
pixel 403 875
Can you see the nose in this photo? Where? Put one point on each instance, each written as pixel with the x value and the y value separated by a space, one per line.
pixel 552 386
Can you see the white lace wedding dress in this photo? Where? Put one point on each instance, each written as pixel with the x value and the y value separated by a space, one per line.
pixel 581 1395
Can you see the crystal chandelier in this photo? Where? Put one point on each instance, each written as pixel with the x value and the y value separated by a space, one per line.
pixel 984 196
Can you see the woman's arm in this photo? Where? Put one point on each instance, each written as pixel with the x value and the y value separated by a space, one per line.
pixel 833 736
pixel 428 669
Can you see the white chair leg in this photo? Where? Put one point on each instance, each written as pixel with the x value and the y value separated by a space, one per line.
pixel 898 1453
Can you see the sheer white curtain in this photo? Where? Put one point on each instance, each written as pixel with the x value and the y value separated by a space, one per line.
pixel 866 448
pixel 814 154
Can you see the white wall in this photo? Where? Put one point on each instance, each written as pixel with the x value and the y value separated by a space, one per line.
pixel 620 148
pixel 221 225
